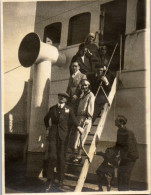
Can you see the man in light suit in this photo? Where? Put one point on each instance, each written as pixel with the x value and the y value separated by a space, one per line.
pixel 74 88
pixel 61 115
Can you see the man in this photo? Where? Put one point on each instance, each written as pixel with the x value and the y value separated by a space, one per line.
pixel 127 146
pixel 84 117
pixel 60 116
pixel 74 88
pixel 90 44
pixel 104 58
pixel 106 171
pixel 95 80
pixel 83 57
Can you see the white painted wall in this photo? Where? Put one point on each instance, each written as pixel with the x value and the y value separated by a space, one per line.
pixel 18 20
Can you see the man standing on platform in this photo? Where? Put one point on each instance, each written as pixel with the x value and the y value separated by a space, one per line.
pixel 126 144
pixel 61 115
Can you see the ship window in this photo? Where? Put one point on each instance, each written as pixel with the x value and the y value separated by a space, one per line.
pixel 141 15
pixel 52 34
pixel 79 27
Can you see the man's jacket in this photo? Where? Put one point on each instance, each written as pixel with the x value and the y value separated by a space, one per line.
pixel 127 145
pixel 60 120
pixel 74 87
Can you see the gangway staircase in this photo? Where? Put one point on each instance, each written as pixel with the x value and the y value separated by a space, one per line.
pixel 95 135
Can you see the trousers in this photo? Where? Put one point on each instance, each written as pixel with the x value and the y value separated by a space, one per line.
pixel 56 159
pixel 124 173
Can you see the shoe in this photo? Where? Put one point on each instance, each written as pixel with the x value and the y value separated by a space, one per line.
pixel 71 159
pixel 108 188
pixel 77 160
pixel 100 188
pixel 49 185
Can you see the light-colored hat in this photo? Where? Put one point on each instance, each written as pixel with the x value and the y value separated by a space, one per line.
pixel 91 35
pixel 85 81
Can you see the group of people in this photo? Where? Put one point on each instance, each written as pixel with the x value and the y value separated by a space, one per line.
pixel 77 108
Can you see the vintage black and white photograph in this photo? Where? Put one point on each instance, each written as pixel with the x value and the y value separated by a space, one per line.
pixel 76 91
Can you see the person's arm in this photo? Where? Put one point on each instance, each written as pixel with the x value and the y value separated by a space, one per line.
pixel 46 121
pixel 73 117
pixel 132 147
pixel 90 108
pixel 69 85
pixel 78 90
pixel 101 154
pixel 74 121
pixel 47 117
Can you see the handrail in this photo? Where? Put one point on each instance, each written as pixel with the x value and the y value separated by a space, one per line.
pixel 107 68
pixel 96 138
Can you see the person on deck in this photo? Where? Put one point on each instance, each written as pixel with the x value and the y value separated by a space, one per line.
pixel 74 85
pixel 106 171
pixel 84 117
pixel 83 57
pixel 95 80
pixel 104 57
pixel 61 115
pixel 90 44
pixel 126 144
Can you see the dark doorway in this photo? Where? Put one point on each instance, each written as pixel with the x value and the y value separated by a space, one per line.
pixel 114 25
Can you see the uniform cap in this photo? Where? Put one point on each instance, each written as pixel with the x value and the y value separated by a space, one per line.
pixel 64 95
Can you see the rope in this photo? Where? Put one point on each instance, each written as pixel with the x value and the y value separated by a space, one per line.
pixel 12 69
pixel 107 68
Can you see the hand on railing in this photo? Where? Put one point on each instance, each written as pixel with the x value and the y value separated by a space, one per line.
pixel 80 129
pixel 104 79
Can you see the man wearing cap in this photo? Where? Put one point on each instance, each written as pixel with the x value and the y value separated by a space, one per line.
pixel 74 88
pixel 61 115
pixel 126 144
pixel 95 80
pixel 84 117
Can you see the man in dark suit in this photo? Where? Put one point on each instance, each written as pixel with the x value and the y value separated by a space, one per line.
pixel 126 144
pixel 85 59
pixel 61 115
pixel 95 80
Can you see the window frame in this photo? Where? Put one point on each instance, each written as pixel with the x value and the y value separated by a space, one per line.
pixel 70 42
pixel 47 28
